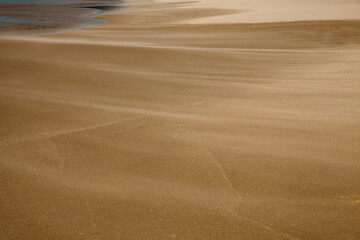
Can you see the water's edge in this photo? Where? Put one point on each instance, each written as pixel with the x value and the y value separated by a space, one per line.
pixel 34 17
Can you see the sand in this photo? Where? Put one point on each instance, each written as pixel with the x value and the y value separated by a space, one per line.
pixel 147 128
pixel 246 11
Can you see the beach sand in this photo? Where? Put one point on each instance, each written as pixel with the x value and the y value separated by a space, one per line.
pixel 259 11
pixel 148 127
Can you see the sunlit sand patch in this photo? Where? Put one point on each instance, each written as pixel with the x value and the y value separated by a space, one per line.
pixel 275 10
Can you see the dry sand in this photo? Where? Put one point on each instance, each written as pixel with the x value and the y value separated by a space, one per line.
pixel 145 128
pixel 257 11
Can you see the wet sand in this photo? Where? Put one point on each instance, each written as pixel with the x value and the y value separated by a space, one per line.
pixel 148 128
pixel 44 17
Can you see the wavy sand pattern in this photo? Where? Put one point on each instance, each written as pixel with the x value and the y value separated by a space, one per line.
pixel 149 127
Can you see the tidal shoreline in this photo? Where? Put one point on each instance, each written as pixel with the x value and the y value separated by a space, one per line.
pixel 33 19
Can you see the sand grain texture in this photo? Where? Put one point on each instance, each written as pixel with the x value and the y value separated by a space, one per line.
pixel 147 128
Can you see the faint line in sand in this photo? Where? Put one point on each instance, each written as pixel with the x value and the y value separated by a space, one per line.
pixel 57 155
pixel 232 211
pixel 180 48
pixel 110 108
pixel 92 218
pixel 132 186
pixel 61 133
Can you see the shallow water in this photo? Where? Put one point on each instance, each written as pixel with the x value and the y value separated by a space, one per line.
pixel 36 17
pixel 15 20
pixel 35 1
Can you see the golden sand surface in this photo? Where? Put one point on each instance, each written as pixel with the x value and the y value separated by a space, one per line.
pixel 147 128
pixel 257 11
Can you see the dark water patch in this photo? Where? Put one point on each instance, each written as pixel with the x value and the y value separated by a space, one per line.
pixel 35 17
pixel 15 20
pixel 104 8
pixel 45 2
